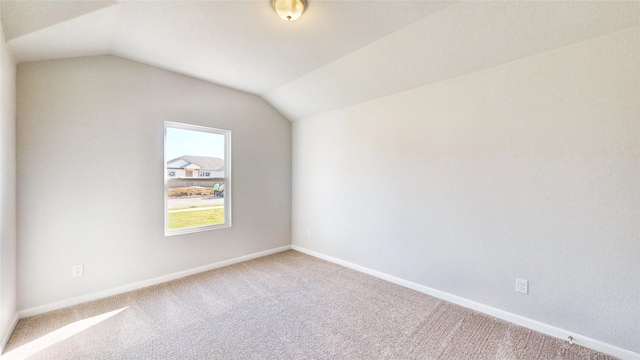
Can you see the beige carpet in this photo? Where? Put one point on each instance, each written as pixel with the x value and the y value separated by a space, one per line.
pixel 283 306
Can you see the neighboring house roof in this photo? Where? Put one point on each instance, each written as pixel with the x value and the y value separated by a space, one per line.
pixel 177 163
pixel 204 162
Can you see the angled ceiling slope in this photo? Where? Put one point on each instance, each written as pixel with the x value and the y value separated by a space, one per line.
pixel 458 40
pixel 339 53
pixel 240 44
pixel 24 17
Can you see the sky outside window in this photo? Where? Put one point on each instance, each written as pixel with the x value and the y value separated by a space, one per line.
pixel 190 142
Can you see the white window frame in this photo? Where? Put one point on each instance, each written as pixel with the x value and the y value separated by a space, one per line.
pixel 227 179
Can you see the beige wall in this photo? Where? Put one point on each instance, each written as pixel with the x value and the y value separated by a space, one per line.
pixel 529 170
pixel 90 170
pixel 8 290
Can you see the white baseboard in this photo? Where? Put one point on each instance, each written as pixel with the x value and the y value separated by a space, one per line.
pixel 6 335
pixel 500 314
pixel 141 284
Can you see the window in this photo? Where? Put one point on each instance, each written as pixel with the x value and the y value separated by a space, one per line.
pixel 197 179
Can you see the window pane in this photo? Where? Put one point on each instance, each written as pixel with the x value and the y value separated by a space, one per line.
pixel 196 178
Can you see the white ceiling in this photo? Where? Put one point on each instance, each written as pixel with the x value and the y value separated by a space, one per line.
pixel 241 44
pixel 337 54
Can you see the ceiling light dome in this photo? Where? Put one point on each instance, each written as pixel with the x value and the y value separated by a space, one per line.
pixel 289 9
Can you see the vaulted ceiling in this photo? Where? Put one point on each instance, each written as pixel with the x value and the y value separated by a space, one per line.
pixel 339 53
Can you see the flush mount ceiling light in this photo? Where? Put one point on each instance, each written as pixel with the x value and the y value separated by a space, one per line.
pixel 289 9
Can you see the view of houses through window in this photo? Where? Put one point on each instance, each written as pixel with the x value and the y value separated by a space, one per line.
pixel 197 178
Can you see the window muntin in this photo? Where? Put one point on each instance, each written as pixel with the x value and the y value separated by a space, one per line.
pixel 197 178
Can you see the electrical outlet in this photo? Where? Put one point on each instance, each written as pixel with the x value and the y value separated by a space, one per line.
pixel 77 270
pixel 522 286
